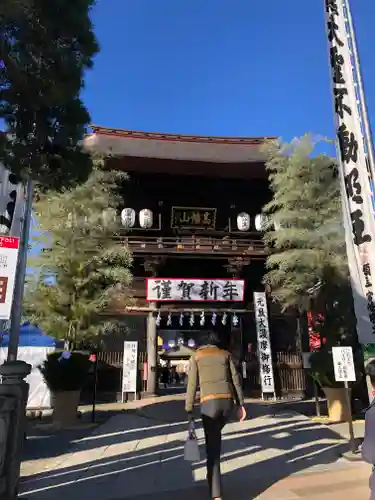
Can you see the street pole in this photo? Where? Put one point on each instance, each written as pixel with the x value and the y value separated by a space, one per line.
pixel 353 446
pixel 16 312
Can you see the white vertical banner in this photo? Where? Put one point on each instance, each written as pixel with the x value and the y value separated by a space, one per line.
pixel 356 194
pixel 129 368
pixel 267 380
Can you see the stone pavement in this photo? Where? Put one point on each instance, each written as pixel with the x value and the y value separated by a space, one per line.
pixel 139 455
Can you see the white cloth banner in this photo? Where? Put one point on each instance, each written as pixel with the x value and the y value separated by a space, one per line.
pixel 195 290
pixel 358 216
pixel 129 371
pixel 267 380
pixel 39 394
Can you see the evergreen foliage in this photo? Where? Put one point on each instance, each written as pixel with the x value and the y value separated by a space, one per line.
pixel 65 374
pixel 83 270
pixel 45 48
pixel 308 247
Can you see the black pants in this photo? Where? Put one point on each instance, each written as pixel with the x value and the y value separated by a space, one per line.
pixel 215 414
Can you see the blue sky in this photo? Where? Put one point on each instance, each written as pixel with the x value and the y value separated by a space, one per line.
pixel 219 67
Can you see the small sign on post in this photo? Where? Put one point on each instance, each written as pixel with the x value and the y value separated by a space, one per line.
pixel 129 371
pixel 343 363
pixel 8 265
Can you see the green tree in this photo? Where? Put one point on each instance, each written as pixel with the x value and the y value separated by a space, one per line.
pixel 304 225
pixel 307 266
pixel 45 48
pixel 83 270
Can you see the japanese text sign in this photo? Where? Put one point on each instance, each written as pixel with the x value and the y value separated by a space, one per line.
pixel 130 365
pixel 343 364
pixel 8 266
pixel 194 290
pixel 186 217
pixel 264 345
pixel 356 193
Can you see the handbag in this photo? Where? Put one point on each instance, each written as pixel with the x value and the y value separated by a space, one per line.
pixel 191 451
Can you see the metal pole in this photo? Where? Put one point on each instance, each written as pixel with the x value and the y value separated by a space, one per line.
pixel 16 312
pixel 353 446
pixel 93 413
pixel 361 91
pixel 316 397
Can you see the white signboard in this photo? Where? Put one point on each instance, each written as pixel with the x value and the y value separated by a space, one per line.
pixel 194 290
pixel 359 222
pixel 130 365
pixel 264 345
pixel 343 364
pixel 8 265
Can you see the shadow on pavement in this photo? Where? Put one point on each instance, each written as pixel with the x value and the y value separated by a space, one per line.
pixel 45 441
pixel 144 457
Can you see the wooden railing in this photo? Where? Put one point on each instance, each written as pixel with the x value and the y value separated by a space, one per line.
pixel 290 379
pixel 196 245
pixel 289 374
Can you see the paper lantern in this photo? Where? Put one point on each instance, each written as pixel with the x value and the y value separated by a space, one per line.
pixel 260 222
pixel 146 218
pixel 128 217
pixel 243 221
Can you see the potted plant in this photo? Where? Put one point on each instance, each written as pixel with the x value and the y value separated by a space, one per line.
pixel 322 371
pixel 65 374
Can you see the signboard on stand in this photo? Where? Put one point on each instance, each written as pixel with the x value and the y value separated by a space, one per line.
pixel 8 265
pixel 343 363
pixel 267 380
pixel 130 368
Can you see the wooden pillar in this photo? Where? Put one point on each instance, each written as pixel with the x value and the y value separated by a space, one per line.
pixel 152 351
pixel 151 266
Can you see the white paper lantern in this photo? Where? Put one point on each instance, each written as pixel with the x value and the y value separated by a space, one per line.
pixel 213 319
pixel 128 217
pixel 146 218
pixel 191 342
pixel 260 222
pixel 235 320
pixel 181 320
pixel 243 221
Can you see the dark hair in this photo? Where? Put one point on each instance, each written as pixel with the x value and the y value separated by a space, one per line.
pixel 370 371
pixel 212 338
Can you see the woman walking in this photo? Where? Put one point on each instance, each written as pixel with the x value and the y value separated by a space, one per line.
pixel 220 389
